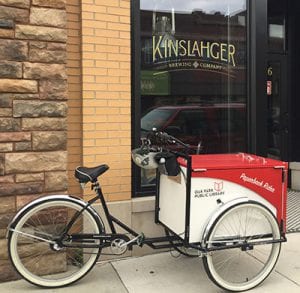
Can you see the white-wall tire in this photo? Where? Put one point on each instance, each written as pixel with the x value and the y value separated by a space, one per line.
pixel 238 269
pixel 33 258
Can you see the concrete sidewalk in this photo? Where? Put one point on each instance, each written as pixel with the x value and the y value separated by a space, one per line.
pixel 162 273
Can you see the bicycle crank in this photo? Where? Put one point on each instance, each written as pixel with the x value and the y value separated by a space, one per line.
pixel 119 246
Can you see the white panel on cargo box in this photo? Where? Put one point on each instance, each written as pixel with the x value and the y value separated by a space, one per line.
pixel 205 192
pixel 172 202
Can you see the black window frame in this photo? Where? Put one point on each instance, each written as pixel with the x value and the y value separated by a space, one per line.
pixel 136 102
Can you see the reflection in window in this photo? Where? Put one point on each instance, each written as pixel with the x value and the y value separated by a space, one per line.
pixel 193 72
pixel 276 34
pixel 276 25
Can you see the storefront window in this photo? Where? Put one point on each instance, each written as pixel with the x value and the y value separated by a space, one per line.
pixel 193 72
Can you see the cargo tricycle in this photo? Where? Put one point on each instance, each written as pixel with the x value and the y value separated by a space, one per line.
pixel 229 209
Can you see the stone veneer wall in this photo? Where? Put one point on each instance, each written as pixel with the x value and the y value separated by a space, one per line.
pixel 33 107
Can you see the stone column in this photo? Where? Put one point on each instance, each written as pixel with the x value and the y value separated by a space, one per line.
pixel 33 107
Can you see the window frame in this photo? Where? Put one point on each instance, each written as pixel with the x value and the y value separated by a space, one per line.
pixel 137 189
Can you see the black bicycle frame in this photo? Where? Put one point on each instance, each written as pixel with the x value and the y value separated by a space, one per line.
pixel 88 240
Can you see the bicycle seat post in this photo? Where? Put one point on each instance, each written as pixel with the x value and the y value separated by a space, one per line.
pixel 97 188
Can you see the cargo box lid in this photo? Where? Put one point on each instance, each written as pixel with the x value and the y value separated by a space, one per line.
pixel 232 161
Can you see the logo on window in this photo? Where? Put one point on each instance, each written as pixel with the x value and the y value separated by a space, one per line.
pixel 164 49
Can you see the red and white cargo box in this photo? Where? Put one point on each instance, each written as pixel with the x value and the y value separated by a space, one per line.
pixel 187 202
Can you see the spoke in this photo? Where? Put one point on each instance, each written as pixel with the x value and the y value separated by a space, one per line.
pixel 35 229
pixel 44 234
pixel 246 219
pixel 73 258
pixel 223 262
pixel 39 224
pixel 253 224
pixel 240 223
pixel 32 236
pixel 36 259
pixel 232 226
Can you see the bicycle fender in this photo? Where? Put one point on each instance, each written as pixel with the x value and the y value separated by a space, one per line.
pixel 218 212
pixel 77 200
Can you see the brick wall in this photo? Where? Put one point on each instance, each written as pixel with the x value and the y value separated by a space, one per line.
pixel 107 93
pixel 74 119
pixel 33 107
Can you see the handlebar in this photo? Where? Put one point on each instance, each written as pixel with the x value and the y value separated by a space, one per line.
pixel 160 138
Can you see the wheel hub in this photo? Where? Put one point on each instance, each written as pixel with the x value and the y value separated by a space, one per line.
pixel 56 247
pixel 247 247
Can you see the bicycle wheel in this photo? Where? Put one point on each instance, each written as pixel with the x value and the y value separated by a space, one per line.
pixel 35 251
pixel 237 269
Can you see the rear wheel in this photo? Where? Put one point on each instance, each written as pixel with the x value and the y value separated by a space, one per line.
pixel 249 225
pixel 37 254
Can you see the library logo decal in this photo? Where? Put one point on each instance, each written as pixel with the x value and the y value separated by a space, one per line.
pixel 216 190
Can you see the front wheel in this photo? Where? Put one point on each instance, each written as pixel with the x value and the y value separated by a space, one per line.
pixel 252 227
pixel 36 251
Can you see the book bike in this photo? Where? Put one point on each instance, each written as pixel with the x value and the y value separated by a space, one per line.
pixel 229 209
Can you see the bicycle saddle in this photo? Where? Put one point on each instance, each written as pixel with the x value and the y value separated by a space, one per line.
pixel 84 174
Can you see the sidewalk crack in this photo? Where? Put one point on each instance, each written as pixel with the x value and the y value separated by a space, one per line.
pixel 288 278
pixel 116 271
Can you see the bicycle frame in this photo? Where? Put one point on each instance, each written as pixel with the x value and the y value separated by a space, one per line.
pixel 105 239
